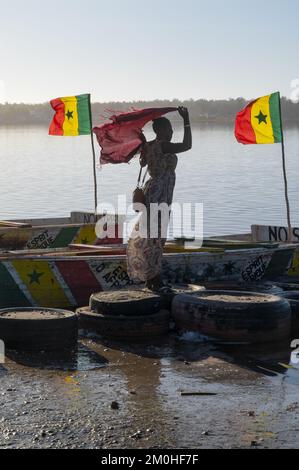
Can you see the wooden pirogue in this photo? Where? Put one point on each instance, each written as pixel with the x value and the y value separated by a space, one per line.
pixel 80 229
pixel 36 234
pixel 65 278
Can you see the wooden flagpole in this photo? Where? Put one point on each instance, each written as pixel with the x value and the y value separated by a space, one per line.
pixel 285 177
pixel 94 163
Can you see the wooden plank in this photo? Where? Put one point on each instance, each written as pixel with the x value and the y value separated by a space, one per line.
pixel 81 246
pixel 7 223
pixel 169 248
pixel 40 254
pixel 235 245
pixel 42 222
pixel 181 249
pixel 111 252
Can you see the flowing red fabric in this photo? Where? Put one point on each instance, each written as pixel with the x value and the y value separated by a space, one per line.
pixel 121 139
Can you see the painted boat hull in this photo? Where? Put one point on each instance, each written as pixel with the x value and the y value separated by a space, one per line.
pixel 55 233
pixel 261 235
pixel 275 234
pixel 68 281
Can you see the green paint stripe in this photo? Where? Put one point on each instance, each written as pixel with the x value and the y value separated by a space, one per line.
pixel 274 102
pixel 10 293
pixel 83 107
pixel 279 264
pixel 65 237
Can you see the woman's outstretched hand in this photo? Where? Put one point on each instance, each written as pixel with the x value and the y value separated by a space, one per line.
pixel 183 112
pixel 169 147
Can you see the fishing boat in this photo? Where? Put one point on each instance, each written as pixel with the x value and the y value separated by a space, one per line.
pixel 275 234
pixel 66 277
pixel 261 235
pixel 48 233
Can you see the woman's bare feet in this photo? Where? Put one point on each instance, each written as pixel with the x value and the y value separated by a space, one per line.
pixel 154 283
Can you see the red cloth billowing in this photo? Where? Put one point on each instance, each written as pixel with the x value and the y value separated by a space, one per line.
pixel 121 139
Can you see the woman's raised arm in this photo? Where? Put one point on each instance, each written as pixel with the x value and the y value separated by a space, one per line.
pixel 169 147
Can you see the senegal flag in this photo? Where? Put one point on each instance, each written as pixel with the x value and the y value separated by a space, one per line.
pixel 72 116
pixel 260 121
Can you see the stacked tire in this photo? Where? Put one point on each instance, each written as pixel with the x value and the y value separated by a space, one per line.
pixel 42 329
pixel 233 316
pixel 125 315
pixel 131 314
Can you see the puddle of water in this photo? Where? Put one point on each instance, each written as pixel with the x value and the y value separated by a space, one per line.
pixel 83 359
pixel 292 377
pixel 269 360
pixel 193 337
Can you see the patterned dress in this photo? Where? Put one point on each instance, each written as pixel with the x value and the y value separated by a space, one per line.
pixel 144 253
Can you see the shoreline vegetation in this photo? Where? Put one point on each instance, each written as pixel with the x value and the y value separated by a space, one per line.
pixel 201 111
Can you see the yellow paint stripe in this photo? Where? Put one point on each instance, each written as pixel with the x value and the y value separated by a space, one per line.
pixel 41 283
pixel 263 130
pixel 71 122
pixel 86 235
pixel 294 270
pixel 286 366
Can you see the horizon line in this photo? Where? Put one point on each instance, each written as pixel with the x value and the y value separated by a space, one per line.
pixel 171 100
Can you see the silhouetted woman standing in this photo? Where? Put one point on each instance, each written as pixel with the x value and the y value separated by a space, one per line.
pixel 144 253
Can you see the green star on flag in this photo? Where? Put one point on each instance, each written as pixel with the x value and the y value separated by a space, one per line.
pixel 262 117
pixel 70 114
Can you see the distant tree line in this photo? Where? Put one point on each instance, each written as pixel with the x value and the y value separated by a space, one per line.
pixel 217 111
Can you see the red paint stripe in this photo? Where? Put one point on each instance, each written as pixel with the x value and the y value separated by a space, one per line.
pixel 243 129
pixel 56 127
pixel 80 280
pixel 114 236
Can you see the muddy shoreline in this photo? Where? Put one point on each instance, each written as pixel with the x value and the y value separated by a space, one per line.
pixel 111 396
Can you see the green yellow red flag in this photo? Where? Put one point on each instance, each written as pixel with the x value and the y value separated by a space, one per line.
pixel 260 121
pixel 72 116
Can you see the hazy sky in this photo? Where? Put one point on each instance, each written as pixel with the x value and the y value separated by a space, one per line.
pixel 136 49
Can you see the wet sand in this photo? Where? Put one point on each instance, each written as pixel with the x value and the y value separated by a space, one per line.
pixel 119 396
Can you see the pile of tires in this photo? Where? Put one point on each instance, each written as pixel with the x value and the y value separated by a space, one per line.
pixel 42 329
pixel 125 315
pixel 134 313
pixel 233 316
pixel 293 299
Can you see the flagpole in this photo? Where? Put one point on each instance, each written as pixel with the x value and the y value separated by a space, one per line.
pixel 94 163
pixel 285 177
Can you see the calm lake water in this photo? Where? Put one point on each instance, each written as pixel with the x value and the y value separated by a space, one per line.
pixel 238 185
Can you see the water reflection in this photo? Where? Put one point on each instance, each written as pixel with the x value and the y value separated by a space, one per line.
pixel 45 176
pixel 81 359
